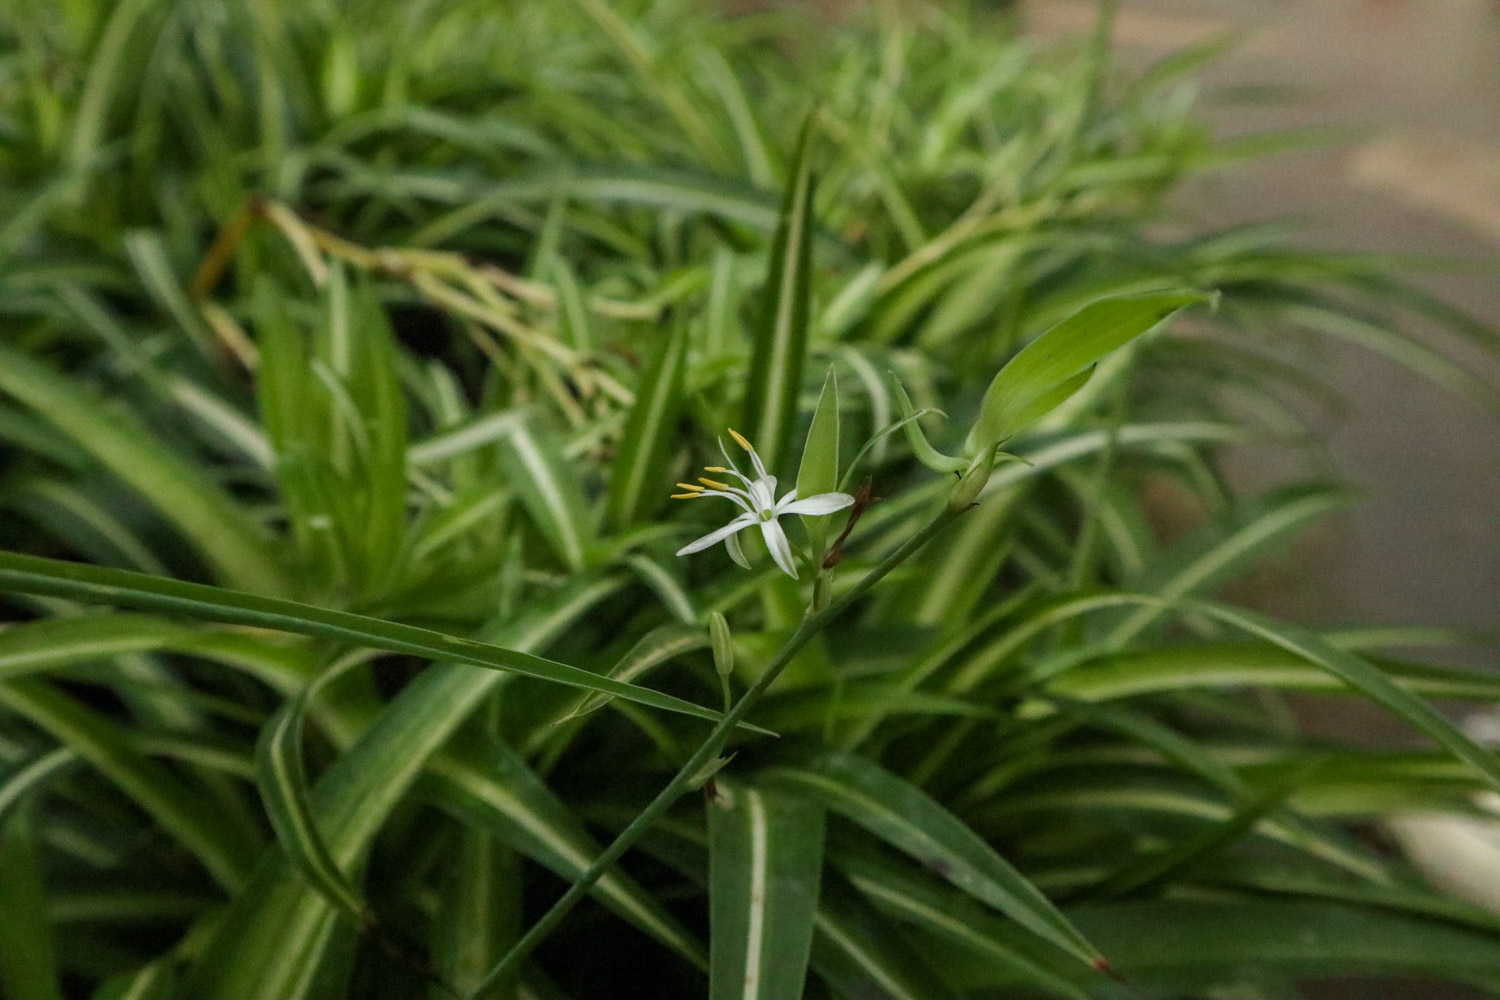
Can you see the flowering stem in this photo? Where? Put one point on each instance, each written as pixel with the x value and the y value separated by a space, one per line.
pixel 709 749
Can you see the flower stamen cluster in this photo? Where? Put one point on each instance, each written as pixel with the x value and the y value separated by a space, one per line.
pixel 756 498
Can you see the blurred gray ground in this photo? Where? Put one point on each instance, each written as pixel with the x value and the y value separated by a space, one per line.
pixel 1422 79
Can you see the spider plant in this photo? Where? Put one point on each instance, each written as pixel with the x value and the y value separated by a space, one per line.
pixel 351 355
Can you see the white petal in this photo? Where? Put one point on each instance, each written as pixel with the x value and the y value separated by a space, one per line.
pixel 732 546
pixel 735 496
pixel 763 493
pixel 822 503
pixel 718 535
pixel 781 549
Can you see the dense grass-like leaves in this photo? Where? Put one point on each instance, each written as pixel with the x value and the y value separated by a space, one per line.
pixel 371 339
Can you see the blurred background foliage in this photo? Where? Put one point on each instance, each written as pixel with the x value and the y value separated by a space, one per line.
pixel 418 311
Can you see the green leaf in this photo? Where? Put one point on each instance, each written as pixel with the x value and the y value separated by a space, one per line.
pixel 910 820
pixel 1226 547
pixel 638 480
pixel 765 864
pixel 781 329
pixel 1363 676
pixel 491 787
pixel 1151 938
pixel 183 811
pixel 479 913
pixel 924 451
pixel 950 916
pixel 28 965
pixel 863 955
pixel 226 536
pixel 1231 665
pixel 33 575
pixel 819 471
pixel 282 780
pixel 549 489
pixel 148 253
pixel 1047 370
pixel 56 644
pixel 277 934
pixel 32 774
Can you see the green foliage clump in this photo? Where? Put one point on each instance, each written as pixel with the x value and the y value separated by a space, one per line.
pixel 349 354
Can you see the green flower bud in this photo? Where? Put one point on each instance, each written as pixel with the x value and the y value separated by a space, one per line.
pixel 966 490
pixel 718 632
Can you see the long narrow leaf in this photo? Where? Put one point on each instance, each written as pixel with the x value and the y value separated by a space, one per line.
pixel 765 864
pixel 781 331
pixel 911 821
pixel 226 536
pixel 34 575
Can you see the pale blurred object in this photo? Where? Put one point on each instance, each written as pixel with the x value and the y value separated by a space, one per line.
pixel 1456 180
pixel 1458 855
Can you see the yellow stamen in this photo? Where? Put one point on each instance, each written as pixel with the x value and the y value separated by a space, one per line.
pixel 715 485
pixel 740 440
pixel 714 468
pixel 685 496
pixel 690 487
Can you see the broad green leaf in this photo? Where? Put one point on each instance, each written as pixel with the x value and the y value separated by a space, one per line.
pixel 491 787
pixel 949 915
pixel 638 478
pixel 58 644
pixel 274 940
pixel 28 966
pixel 765 865
pixel 781 326
pixel 1228 665
pixel 33 575
pixel 819 471
pixel 1296 938
pixel 233 544
pixel 1053 362
pixel 556 724
pixel 1366 678
pixel 549 489
pixel 861 954
pixel 479 913
pixel 910 820
pixel 180 809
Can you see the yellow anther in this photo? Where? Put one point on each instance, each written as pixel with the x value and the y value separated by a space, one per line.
pixel 684 496
pixel 740 440
pixel 690 487
pixel 714 468
pixel 715 485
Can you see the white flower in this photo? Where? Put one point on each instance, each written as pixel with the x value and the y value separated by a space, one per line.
pixel 758 501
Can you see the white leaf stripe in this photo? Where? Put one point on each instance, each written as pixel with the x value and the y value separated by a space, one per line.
pixel 765 869
pixel 283 788
pixel 555 509
pixel 869 963
pixel 755 817
pixel 966 932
